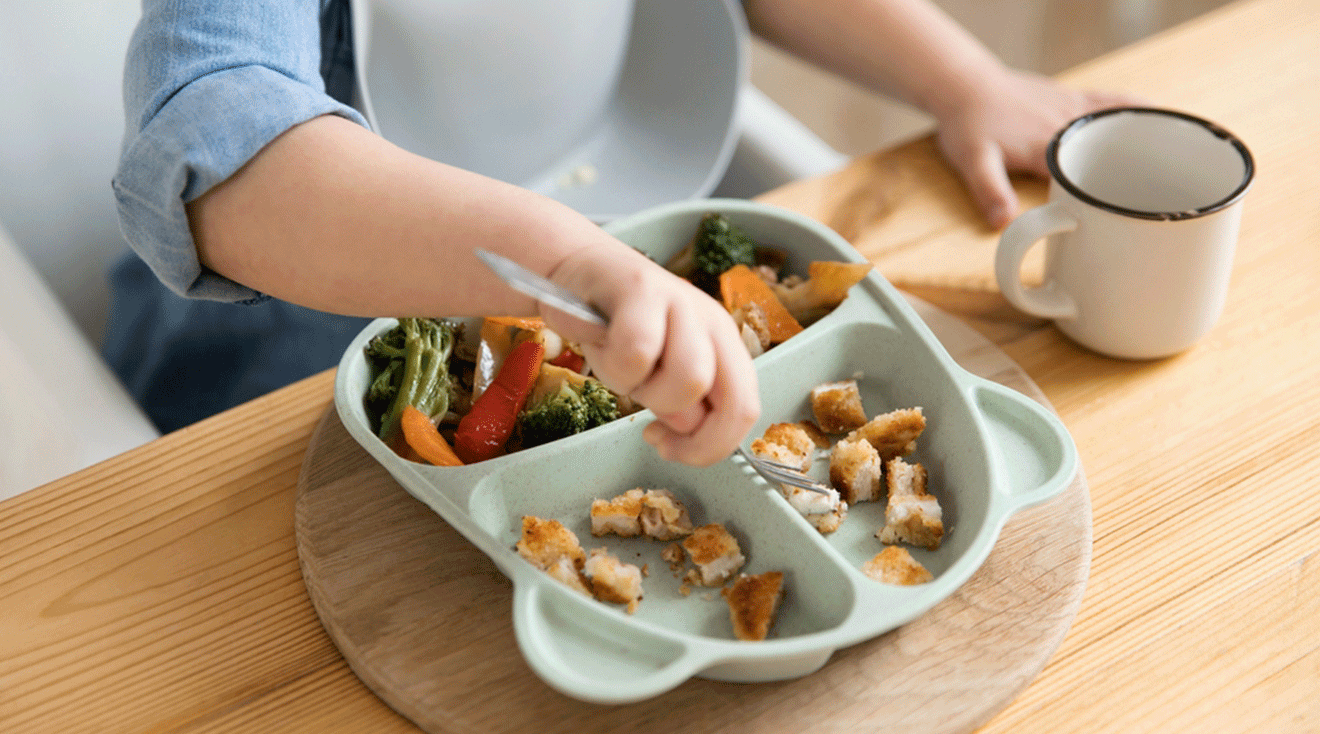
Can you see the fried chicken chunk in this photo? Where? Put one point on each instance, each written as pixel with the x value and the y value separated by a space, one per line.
pixel 715 553
pixel 786 443
pixel 894 433
pixel 753 601
pixel 838 406
pixel 913 515
pixel 613 580
pixel 544 542
pixel 895 565
pixel 856 471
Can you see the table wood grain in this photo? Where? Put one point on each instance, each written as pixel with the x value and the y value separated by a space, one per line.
pixel 159 591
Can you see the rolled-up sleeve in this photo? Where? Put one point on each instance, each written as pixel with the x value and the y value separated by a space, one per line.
pixel 207 85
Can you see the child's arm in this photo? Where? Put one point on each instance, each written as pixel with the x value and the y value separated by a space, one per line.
pixel 333 217
pixel 288 194
pixel 989 117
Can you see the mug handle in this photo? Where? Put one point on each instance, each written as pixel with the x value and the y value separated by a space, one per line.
pixel 1020 235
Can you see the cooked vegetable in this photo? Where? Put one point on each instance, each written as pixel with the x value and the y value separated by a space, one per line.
pixel 410 366
pixel 482 433
pixel 824 289
pixel 530 323
pixel 422 437
pixel 740 285
pixel 569 359
pixel 717 246
pixel 572 408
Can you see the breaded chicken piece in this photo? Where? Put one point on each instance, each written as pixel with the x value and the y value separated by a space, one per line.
pixel 566 572
pixel 786 443
pixel 838 406
pixel 824 510
pixel 619 515
pixel 814 432
pixel 777 453
pixel 856 471
pixel 544 542
pixel 715 553
pixel 895 565
pixel 753 327
pixel 912 515
pixel 613 580
pixel 894 433
pixel 663 517
pixel 753 601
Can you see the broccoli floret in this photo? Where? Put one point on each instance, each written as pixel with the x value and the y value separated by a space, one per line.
pixel 573 408
pixel 601 405
pixel 718 246
pixel 410 366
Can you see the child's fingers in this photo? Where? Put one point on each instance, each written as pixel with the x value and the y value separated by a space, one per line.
pixel 734 405
pixel 686 370
pixel 982 167
pixel 685 421
pixel 632 346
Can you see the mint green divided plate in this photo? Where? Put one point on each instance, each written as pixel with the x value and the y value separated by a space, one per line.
pixel 989 451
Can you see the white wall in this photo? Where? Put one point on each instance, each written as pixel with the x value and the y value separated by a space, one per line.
pixel 1047 36
pixel 61 65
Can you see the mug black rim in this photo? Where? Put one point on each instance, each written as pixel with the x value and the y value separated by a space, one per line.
pixel 1248 172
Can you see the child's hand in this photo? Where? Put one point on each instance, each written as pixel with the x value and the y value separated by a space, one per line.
pixel 1005 127
pixel 669 346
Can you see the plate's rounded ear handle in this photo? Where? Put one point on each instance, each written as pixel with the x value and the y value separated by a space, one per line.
pixel 1029 444
pixel 580 647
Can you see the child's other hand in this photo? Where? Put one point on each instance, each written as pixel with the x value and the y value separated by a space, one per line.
pixel 669 346
pixel 1005 127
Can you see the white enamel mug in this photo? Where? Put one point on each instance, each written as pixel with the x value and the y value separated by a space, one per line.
pixel 1142 222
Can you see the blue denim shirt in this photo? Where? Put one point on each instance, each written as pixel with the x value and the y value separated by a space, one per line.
pixel 207 84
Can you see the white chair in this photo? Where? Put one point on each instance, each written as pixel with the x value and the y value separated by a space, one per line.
pixel 61 409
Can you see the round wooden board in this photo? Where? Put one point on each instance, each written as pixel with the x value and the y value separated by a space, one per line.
pixel 423 617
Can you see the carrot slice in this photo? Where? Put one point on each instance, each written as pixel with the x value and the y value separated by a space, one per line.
pixel 422 437
pixel 831 280
pixel 740 285
pixel 531 323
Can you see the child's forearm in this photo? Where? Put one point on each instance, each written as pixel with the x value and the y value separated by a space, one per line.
pixel 909 49
pixel 332 217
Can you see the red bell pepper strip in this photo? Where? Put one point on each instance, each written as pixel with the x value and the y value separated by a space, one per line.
pixel 482 433
pixel 570 360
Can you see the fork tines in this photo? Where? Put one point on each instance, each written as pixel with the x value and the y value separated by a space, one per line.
pixel 774 472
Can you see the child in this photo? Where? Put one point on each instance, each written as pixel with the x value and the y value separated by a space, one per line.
pixel 245 177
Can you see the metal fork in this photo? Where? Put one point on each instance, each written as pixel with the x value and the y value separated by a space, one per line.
pixel 531 284
pixel 776 473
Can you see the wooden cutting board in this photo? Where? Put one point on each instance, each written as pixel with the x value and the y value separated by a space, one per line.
pixel 423 617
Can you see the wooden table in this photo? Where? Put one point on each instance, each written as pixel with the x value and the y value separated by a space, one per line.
pixel 160 590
